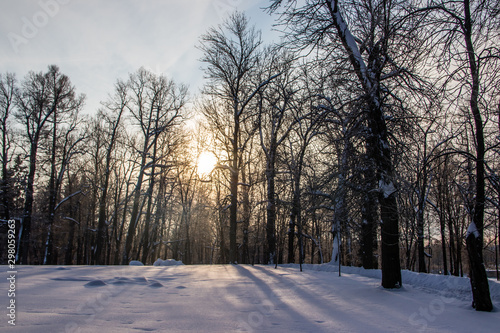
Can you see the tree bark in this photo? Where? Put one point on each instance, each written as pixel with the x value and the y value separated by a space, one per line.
pixel 478 277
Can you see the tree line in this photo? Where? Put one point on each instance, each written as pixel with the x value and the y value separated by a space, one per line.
pixel 368 136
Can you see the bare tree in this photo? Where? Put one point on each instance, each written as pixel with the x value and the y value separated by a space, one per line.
pixel 8 90
pixel 115 109
pixel 156 105
pixel 309 119
pixel 41 96
pixel 468 37
pixel 275 121
pixel 65 146
pixel 371 36
pixel 231 52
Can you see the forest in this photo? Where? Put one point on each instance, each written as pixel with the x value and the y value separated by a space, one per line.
pixel 369 136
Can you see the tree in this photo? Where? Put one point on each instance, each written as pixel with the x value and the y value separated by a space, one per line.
pixel 275 122
pixel 40 97
pixel 65 146
pixel 231 52
pixel 309 119
pixel 8 91
pixel 115 107
pixel 156 105
pixel 372 56
pixel 469 53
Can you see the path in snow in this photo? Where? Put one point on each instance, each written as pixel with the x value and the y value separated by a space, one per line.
pixel 224 298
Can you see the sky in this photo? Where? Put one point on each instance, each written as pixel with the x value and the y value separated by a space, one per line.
pixel 97 42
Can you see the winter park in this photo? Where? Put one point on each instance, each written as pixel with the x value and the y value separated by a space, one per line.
pixel 250 166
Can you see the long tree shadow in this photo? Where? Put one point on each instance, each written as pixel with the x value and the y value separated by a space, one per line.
pixel 315 307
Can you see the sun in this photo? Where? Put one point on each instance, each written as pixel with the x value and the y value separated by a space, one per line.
pixel 206 163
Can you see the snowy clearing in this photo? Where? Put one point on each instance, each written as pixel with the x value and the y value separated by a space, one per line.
pixel 225 298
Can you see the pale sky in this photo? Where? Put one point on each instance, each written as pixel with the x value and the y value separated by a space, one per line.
pixel 95 42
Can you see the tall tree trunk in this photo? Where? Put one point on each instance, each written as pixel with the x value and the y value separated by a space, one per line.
pixel 25 232
pixel 442 228
pixel 147 221
pixel 297 213
pixel 5 188
pixel 134 218
pixel 420 239
pixel 391 269
pixel 291 238
pixel 101 223
pixel 369 231
pixel 245 255
pixel 270 245
pixel 233 212
pixel 48 260
pixel 474 241
pixel 369 216
pixel 118 240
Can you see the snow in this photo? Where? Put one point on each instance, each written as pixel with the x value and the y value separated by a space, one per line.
pixel 472 229
pixel 239 298
pixel 386 188
pixel 168 262
pixel 136 263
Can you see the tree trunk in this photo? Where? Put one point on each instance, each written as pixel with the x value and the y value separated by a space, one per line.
pixel 25 232
pixel 391 269
pixel 291 239
pixel 245 255
pixel 48 260
pixel 270 249
pixel 233 212
pixel 101 224
pixel 68 259
pixel 134 218
pixel 147 220
pixel 369 218
pixel 443 243
pixel 5 176
pixel 420 241
pixel 478 277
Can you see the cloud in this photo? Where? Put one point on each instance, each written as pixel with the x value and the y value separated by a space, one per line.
pixel 97 42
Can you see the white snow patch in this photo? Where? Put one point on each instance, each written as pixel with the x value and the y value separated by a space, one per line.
pixel 167 262
pixel 472 229
pixel 386 188
pixel 136 263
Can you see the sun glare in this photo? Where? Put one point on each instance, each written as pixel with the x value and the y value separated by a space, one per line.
pixel 206 163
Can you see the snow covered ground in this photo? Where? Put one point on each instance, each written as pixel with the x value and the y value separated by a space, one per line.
pixel 225 298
